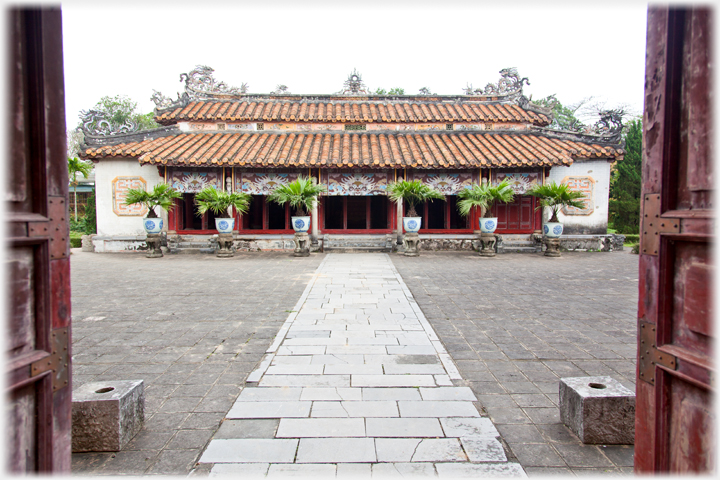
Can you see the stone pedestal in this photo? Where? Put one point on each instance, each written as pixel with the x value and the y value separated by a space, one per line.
pixel 487 244
pixel 599 410
pixel 302 244
pixel 153 242
pixel 225 243
pixel 553 247
pixel 411 244
pixel 107 415
pixel 87 243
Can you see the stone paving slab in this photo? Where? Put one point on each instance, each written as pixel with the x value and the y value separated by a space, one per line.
pixel 378 390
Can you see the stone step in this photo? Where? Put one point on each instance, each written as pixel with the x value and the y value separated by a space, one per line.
pixel 521 249
pixel 359 249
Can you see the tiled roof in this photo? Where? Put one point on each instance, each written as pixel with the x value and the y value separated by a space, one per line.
pixel 348 150
pixel 267 110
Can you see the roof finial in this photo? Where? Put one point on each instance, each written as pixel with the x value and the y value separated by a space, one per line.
pixel 354 85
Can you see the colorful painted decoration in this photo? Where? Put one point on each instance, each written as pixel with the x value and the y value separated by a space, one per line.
pixel 520 182
pixel 120 187
pixel 445 183
pixel 263 183
pixel 583 184
pixel 357 183
pixel 193 181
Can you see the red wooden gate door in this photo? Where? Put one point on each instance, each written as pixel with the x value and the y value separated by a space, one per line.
pixel 37 330
pixel 675 374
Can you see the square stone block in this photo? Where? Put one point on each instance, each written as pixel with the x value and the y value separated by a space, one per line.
pixel 599 410
pixel 107 415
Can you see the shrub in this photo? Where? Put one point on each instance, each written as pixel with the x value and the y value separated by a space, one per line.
pixel 76 239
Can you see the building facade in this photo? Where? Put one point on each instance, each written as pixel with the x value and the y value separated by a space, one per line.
pixel 353 142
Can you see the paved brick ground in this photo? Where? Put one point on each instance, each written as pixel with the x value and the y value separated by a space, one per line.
pixel 515 324
pixel 191 326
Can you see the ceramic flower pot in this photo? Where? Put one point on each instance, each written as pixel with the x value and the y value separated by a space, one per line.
pixel 153 225
pixel 300 224
pixel 552 230
pixel 224 225
pixel 412 224
pixel 488 224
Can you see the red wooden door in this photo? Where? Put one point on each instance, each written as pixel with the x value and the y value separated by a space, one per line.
pixel 37 434
pixel 675 375
pixel 517 216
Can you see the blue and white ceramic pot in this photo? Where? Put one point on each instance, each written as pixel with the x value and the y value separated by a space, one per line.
pixel 224 225
pixel 488 224
pixel 412 224
pixel 153 225
pixel 552 230
pixel 300 224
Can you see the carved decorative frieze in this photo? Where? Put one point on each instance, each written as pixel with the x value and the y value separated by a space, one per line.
pixel 120 187
pixel 583 184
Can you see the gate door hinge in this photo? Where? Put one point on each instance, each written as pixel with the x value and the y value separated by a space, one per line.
pixel 649 355
pixel 653 224
pixel 57 361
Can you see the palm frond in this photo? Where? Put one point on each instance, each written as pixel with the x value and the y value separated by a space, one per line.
pixel 219 201
pixel 301 194
pixel 162 195
pixel 484 196
pixel 414 192
pixel 556 196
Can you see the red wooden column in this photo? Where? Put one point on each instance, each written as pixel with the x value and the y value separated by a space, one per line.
pixel 675 414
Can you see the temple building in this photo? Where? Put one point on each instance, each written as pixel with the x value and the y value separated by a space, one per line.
pixel 355 143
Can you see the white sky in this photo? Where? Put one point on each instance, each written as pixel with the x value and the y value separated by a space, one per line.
pixel 570 50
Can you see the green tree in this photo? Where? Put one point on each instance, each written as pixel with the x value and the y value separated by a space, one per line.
pixel 625 183
pixel 393 91
pixel 89 221
pixel 564 117
pixel 75 166
pixel 120 108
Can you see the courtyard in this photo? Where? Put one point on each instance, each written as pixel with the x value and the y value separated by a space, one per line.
pixel 194 327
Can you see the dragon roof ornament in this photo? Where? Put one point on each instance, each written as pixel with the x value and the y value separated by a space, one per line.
pixel 280 90
pixel 96 123
pixel 354 85
pixel 509 83
pixel 199 84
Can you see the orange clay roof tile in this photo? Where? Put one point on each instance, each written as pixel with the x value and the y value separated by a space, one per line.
pixel 443 149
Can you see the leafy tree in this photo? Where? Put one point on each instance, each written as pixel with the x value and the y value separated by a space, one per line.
pixel 120 108
pixel 564 117
pixel 380 91
pixel 75 166
pixel 625 183
pixel 89 222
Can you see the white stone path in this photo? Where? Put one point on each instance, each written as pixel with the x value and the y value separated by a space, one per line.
pixel 362 387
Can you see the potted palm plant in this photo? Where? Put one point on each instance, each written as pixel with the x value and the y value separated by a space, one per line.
pixel 556 196
pixel 484 196
pixel 219 202
pixel 162 195
pixel 414 193
pixel 301 194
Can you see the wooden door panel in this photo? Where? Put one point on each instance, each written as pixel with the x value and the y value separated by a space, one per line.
pixel 674 410
pixel 37 260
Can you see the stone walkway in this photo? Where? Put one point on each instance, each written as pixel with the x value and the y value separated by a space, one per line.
pixel 356 383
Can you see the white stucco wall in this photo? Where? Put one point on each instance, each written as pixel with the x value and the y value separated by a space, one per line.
pixel 596 222
pixel 108 222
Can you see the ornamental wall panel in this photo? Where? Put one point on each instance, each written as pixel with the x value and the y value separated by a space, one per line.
pixel 262 183
pixel 120 187
pixel 188 181
pixel 585 185
pixel 356 183
pixel 447 183
pixel 520 182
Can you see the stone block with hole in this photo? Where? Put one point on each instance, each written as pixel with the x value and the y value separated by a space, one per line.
pixel 107 415
pixel 599 410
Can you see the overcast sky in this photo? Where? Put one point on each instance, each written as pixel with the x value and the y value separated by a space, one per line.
pixel 564 49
